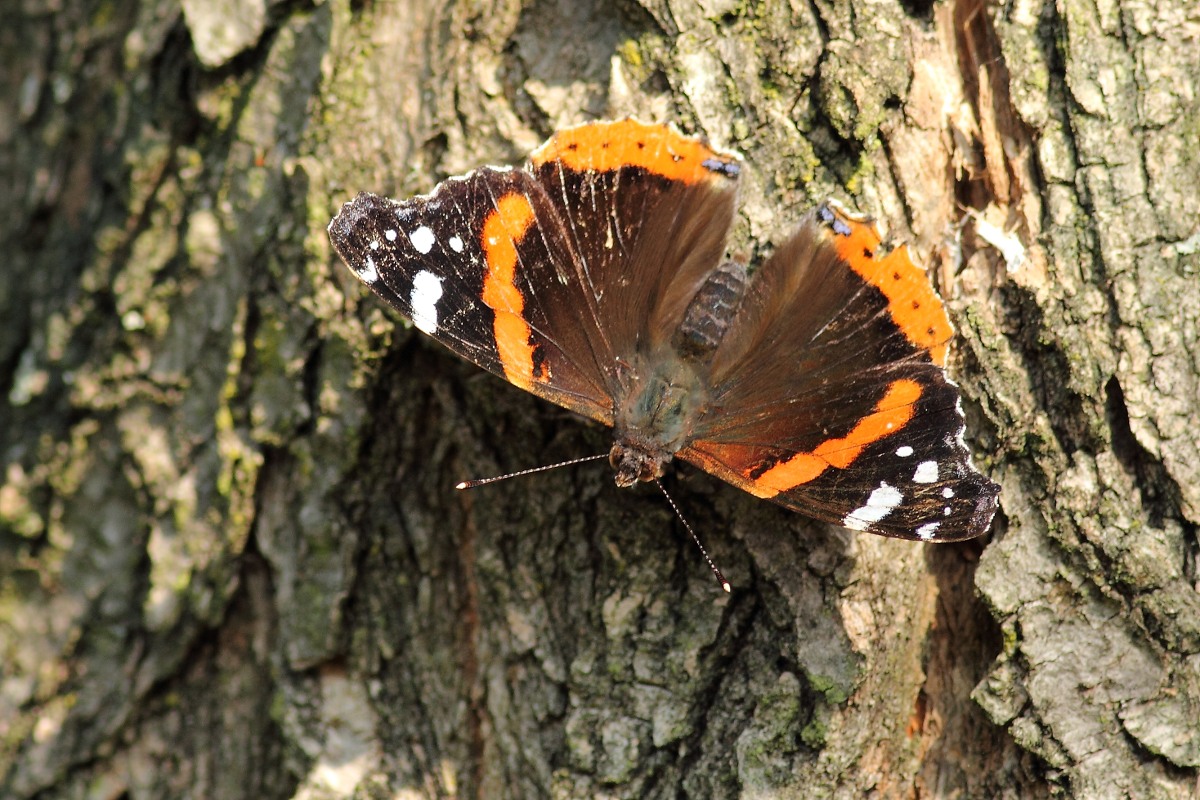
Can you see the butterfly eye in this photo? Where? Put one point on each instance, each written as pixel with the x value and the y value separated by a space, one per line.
pixel 614 456
pixel 628 463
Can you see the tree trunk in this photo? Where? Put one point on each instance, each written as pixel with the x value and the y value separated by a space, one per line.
pixel 231 560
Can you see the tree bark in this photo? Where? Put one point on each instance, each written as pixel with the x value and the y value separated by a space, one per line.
pixel 231 560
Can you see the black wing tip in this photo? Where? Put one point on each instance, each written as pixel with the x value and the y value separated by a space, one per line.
pixel 346 228
pixel 354 210
pixel 978 521
pixel 986 505
pixel 975 505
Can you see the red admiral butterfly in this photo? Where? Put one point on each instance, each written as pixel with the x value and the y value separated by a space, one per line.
pixel 594 277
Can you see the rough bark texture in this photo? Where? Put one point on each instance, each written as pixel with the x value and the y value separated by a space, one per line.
pixel 231 564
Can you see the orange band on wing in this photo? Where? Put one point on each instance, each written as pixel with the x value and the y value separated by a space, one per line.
pixel 607 146
pixel 912 302
pixel 501 231
pixel 891 414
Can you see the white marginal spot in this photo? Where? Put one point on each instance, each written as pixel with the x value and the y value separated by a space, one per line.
pixel 927 472
pixel 456 244
pixel 947 493
pixel 904 451
pixel 369 274
pixel 426 291
pixel 926 531
pixel 881 503
pixel 390 235
pixel 422 239
pixel 961 436
pixel 946 511
pixel 374 244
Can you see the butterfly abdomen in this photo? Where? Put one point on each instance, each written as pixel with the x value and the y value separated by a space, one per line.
pixel 710 312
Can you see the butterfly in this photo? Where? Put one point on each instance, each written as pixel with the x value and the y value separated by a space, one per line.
pixel 595 277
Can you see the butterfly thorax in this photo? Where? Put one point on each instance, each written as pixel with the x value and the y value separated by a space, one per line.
pixel 665 397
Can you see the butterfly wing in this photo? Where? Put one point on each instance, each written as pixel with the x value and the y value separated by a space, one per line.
pixel 483 265
pixel 829 394
pixel 647 211
pixel 553 276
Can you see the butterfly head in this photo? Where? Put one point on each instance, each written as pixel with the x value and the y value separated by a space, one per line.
pixel 634 464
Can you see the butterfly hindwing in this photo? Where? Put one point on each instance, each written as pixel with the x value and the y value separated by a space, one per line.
pixel 855 422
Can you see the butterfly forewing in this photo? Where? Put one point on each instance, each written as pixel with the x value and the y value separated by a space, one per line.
pixel 647 211
pixel 483 265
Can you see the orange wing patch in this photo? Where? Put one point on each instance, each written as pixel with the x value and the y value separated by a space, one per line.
pixel 892 412
pixel 608 146
pixel 913 303
pixel 502 229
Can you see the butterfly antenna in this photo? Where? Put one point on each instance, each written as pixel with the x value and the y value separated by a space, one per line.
pixel 724 583
pixel 471 484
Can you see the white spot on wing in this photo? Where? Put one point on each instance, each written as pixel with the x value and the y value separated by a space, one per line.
pixel 373 244
pixel 927 472
pixel 426 291
pixel 904 451
pixel 881 503
pixel 926 531
pixel 390 235
pixel 456 244
pixel 368 274
pixel 422 239
pixel 947 493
